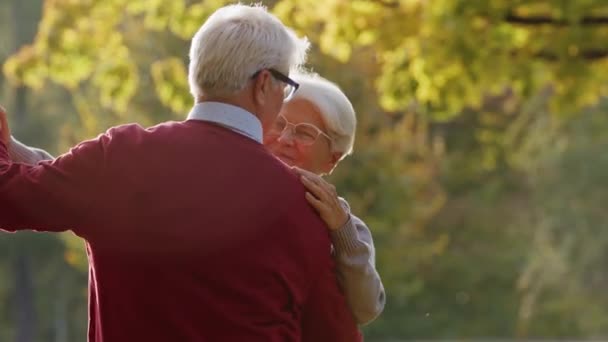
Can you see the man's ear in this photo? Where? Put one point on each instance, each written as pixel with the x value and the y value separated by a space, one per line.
pixel 261 86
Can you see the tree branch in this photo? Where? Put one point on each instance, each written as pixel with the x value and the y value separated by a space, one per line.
pixel 545 20
pixel 590 55
pixel 387 3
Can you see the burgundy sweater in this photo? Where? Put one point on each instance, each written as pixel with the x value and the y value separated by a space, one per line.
pixel 193 232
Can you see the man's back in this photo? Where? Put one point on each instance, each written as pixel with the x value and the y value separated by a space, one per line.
pixel 195 233
pixel 201 239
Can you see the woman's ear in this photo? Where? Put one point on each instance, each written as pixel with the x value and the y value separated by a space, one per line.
pixel 334 159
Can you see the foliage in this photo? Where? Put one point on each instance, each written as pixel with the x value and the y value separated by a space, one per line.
pixel 479 156
pixel 446 55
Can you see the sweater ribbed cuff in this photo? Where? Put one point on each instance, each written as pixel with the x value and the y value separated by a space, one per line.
pixel 19 152
pixel 346 238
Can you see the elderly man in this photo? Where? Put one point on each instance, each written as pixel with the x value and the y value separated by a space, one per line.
pixel 194 231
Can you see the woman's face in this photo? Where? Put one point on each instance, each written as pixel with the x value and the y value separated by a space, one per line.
pixel 298 138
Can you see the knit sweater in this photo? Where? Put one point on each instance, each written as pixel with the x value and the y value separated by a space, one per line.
pixel 174 255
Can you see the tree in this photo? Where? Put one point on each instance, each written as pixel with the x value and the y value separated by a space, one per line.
pixel 444 56
pixel 33 271
pixel 565 272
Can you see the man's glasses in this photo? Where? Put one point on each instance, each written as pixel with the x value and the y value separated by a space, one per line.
pixel 303 133
pixel 290 85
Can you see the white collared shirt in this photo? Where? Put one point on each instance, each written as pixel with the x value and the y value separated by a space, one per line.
pixel 232 117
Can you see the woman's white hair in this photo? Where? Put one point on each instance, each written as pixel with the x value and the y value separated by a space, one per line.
pixel 234 43
pixel 335 108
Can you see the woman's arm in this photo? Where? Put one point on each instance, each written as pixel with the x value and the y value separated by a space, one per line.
pixel 356 267
pixel 353 248
pixel 17 151
pixel 21 153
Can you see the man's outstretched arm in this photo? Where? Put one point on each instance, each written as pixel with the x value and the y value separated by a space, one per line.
pixel 51 196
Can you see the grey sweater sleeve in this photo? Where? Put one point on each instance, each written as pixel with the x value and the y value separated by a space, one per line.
pixel 356 267
pixel 21 153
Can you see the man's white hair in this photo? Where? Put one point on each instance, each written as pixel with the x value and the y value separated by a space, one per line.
pixel 234 43
pixel 335 108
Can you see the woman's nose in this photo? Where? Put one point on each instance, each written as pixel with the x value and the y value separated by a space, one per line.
pixel 286 136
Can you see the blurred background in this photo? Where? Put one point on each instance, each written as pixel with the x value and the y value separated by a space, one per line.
pixel 481 160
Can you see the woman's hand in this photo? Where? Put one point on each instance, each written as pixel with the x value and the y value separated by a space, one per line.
pixel 5 131
pixel 324 198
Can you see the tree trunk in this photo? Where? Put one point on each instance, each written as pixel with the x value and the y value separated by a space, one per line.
pixel 25 314
pixel 61 311
pixel 24 301
pixel 21 36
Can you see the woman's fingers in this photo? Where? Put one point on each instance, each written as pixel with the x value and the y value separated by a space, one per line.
pixel 328 187
pixel 315 188
pixel 316 203
pixel 332 189
pixel 303 172
pixel 323 197
pixel 318 180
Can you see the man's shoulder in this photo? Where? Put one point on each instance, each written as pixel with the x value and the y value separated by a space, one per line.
pixel 284 179
pixel 136 128
pixel 135 132
pixel 292 201
pixel 281 185
pixel 119 132
pixel 125 128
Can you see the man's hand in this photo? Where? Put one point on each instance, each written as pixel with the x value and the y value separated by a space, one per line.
pixel 5 131
pixel 323 197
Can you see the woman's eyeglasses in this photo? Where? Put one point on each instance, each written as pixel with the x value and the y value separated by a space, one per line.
pixel 304 133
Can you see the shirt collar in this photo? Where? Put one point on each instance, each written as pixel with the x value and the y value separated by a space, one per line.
pixel 232 117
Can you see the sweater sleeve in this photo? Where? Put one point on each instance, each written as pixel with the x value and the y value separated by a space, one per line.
pixel 53 195
pixel 357 274
pixel 21 153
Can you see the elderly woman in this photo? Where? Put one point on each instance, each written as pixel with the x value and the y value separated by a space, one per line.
pixel 313 133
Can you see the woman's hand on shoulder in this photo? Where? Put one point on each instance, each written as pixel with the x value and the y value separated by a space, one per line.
pixel 324 198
